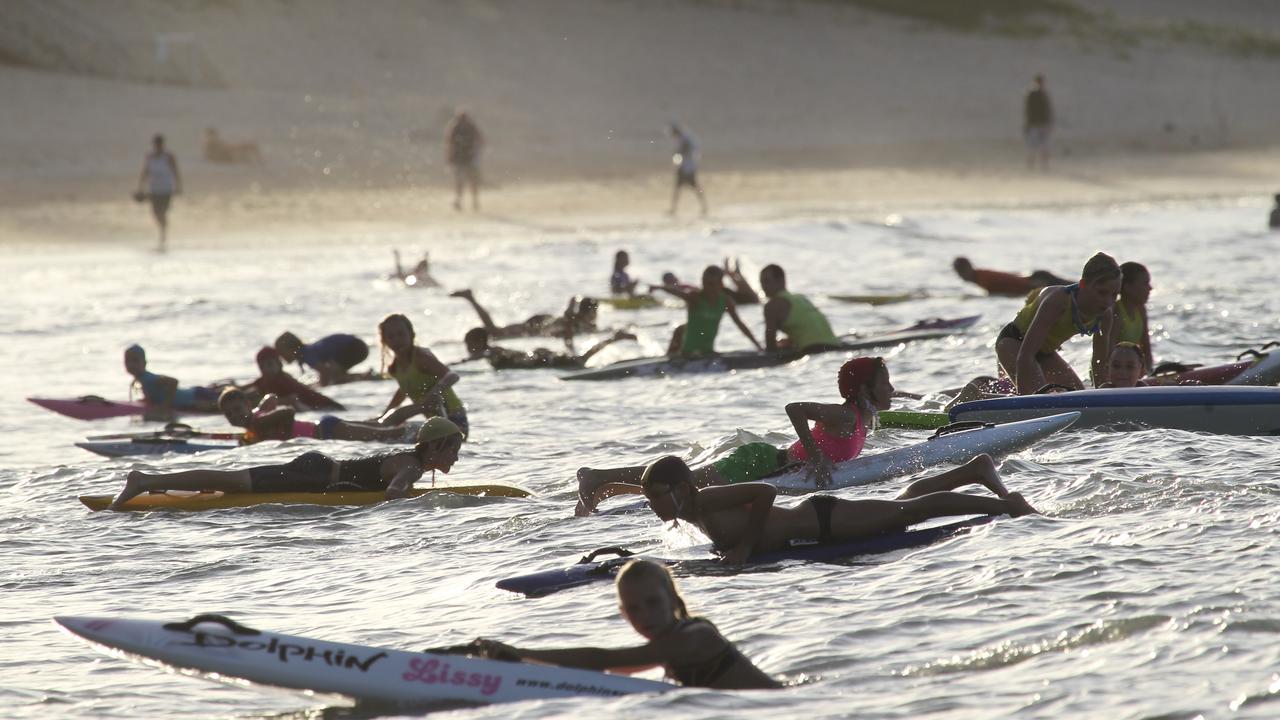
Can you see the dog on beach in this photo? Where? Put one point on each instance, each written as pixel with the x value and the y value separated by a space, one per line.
pixel 219 151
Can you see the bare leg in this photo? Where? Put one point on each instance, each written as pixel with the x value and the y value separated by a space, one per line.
pixel 473 177
pixel 485 318
pixel 702 198
pixel 981 470
pixel 457 187
pixel 854 519
pixel 367 433
pixel 137 482
pixel 1007 356
pixel 675 198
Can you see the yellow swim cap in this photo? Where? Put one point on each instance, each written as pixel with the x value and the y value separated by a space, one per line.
pixel 436 428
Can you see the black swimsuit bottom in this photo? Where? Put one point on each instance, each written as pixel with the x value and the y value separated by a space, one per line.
pixel 822 506
pixel 1012 332
pixel 309 472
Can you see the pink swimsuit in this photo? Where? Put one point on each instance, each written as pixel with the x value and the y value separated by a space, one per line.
pixel 836 448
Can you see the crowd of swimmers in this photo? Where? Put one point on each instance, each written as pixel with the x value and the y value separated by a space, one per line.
pixel 729 499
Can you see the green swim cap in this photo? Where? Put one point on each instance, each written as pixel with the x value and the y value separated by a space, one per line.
pixel 436 428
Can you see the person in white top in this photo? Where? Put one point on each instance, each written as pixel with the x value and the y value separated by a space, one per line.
pixel 159 182
pixel 686 161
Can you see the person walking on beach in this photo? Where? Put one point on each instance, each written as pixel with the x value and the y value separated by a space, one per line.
pixel 1037 124
pixel 686 161
pixel 462 141
pixel 161 181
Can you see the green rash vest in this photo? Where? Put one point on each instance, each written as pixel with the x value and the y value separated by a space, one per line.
pixel 416 383
pixel 702 325
pixel 805 324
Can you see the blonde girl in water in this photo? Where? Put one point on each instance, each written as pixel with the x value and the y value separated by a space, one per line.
pixel 1027 348
pixel 420 376
pixel 690 649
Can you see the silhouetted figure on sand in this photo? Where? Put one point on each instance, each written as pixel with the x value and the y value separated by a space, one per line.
pixel 462 141
pixel 1275 215
pixel 1037 124
pixel 686 161
pixel 158 183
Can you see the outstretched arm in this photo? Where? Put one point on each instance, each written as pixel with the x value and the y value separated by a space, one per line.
pixel 620 335
pixel 733 313
pixel 686 295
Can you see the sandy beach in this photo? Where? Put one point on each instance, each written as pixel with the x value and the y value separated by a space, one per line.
pixel 793 103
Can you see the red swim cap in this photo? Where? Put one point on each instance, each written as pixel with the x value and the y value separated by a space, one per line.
pixel 267 353
pixel 856 374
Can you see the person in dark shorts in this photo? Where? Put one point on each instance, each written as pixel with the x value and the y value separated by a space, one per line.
pixel 1037 124
pixel 158 183
pixel 462 142
pixel 393 473
pixel 686 161
pixel 332 356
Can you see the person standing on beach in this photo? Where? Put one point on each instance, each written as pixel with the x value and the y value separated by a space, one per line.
pixel 1275 214
pixel 686 161
pixel 161 181
pixel 1037 124
pixel 462 141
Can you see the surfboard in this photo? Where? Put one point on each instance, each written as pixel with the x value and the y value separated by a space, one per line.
pixel 632 302
pixel 913 420
pixel 590 570
pixel 1264 371
pixel 150 446
pixel 750 360
pixel 877 300
pixel 215 648
pixel 1221 409
pixel 92 407
pixel 957 445
pixel 194 501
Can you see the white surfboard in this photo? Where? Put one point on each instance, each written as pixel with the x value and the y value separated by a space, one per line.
pixel 1221 409
pixel 218 649
pixel 953 447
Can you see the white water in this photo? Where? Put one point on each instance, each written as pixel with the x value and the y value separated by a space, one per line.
pixel 1146 590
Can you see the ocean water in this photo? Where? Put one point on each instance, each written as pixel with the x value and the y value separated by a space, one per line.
pixel 1147 589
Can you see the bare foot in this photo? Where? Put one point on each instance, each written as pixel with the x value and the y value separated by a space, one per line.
pixel 132 488
pixel 988 475
pixel 1018 505
pixel 466 293
pixel 586 486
